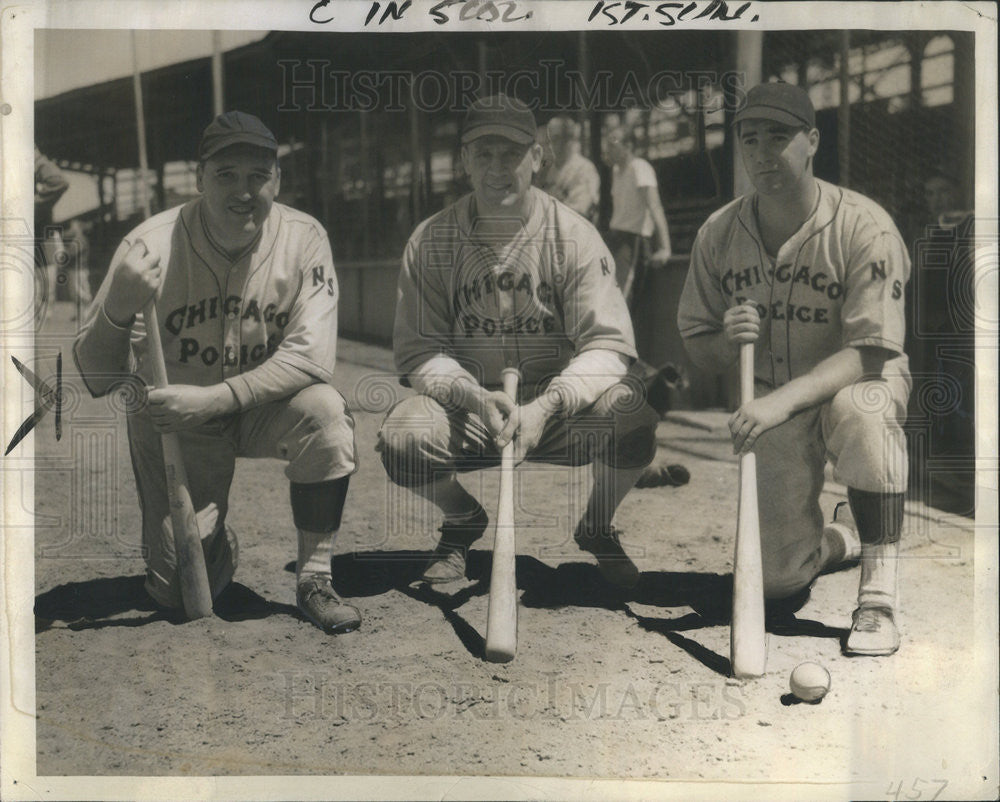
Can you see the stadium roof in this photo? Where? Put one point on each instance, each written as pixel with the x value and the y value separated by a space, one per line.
pixel 93 128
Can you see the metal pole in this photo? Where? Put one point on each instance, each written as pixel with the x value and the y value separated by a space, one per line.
pixel 140 124
pixel 749 62
pixel 218 93
pixel 844 115
pixel 416 163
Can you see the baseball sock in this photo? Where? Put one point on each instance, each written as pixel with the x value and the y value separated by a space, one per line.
pixel 879 517
pixel 317 509
pixel 879 562
pixel 315 554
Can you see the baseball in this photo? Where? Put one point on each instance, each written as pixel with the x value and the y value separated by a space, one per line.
pixel 810 682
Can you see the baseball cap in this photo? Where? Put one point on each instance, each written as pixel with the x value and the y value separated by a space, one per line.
pixel 499 115
pixel 784 103
pixel 235 128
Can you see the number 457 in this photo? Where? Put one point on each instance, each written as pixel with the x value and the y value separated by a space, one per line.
pixel 920 789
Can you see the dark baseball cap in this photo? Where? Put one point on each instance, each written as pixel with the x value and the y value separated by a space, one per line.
pixel 235 128
pixel 784 103
pixel 499 115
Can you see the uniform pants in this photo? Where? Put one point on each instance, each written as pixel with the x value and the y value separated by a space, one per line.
pixel 860 432
pixel 312 430
pixel 420 440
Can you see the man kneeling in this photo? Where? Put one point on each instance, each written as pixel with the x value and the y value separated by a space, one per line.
pixel 246 300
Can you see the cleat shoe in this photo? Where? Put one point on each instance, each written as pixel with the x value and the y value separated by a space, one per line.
pixel 615 565
pixel 447 562
pixel 663 476
pixel 873 632
pixel 320 603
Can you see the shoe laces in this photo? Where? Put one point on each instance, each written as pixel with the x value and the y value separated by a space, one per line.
pixel 318 586
pixel 869 619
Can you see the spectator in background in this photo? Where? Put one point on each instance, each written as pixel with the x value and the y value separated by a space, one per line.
pixel 941 347
pixel 636 216
pixel 941 195
pixel 50 186
pixel 75 264
pixel 566 174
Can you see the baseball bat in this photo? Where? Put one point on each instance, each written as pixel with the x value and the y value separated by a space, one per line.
pixel 195 592
pixel 748 645
pixel 501 617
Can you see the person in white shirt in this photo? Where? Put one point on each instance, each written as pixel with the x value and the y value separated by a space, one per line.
pixel 637 214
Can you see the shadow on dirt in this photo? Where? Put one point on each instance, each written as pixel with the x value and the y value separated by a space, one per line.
pixel 101 603
pixel 709 597
pixel 94 603
pixel 372 573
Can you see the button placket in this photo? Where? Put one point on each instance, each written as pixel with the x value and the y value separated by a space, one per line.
pixel 232 334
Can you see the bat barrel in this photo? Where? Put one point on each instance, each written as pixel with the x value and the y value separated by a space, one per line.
pixel 748 638
pixel 195 591
pixel 501 617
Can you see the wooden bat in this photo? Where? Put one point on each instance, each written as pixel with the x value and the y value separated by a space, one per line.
pixel 501 618
pixel 195 592
pixel 748 645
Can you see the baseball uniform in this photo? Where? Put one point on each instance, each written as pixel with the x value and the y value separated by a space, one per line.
pixel 837 282
pixel 545 302
pixel 265 323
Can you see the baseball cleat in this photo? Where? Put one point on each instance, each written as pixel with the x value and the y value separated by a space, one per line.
pixel 320 603
pixel 873 632
pixel 663 476
pixel 447 562
pixel 616 566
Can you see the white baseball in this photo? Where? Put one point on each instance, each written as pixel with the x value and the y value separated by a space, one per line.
pixel 810 682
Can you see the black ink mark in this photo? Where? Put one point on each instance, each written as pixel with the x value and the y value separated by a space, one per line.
pixel 315 8
pixel 393 10
pixel 45 399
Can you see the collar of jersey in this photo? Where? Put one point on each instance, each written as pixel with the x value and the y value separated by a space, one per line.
pixel 823 214
pixel 214 244
pixel 465 216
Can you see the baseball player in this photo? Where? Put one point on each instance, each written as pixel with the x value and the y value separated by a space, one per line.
pixel 509 276
pixel 50 186
pixel 813 275
pixel 246 299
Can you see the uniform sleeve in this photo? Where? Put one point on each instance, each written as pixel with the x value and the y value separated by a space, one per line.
pixel 308 351
pixel 586 377
pixel 423 325
pixel 874 308
pixel 702 304
pixel 594 309
pixel 102 350
pixel 645 176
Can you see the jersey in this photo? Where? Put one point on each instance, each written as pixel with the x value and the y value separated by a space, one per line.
pixel 534 302
pixel 837 282
pixel 250 322
pixel 630 212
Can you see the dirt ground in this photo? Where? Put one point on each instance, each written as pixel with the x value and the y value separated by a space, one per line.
pixel 602 686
